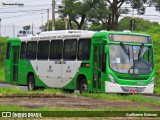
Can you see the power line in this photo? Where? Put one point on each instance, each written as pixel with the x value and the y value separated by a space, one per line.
pixel 146 15
pixel 21 14
pixel 24 11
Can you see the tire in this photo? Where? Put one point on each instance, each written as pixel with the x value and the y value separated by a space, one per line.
pixel 83 88
pixel 31 83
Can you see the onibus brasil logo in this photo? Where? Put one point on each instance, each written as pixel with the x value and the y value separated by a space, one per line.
pixel 12 4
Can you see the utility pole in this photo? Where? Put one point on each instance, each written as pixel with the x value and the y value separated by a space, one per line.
pixel 53 15
pixel 42 18
pixel 47 19
pixel 32 29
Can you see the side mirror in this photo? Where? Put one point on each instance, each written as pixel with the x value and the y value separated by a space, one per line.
pixel 106 48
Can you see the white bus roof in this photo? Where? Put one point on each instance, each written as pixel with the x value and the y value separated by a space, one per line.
pixel 64 32
pixel 61 34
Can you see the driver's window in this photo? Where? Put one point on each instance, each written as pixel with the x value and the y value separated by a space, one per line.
pixel 146 55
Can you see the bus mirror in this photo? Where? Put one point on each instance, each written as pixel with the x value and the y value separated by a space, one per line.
pixel 106 49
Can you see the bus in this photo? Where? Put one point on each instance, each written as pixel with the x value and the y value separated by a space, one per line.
pixel 88 61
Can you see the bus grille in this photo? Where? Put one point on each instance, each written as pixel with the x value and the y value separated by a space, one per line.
pixel 132 78
pixel 127 89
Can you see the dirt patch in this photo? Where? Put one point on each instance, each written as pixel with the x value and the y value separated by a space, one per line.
pixel 71 102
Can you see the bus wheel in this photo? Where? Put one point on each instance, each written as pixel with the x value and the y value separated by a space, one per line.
pixel 31 83
pixel 83 86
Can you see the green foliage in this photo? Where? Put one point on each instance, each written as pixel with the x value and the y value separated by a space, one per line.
pixel 141 24
pixel 60 25
pixel 20 91
pixel 97 27
pixel 136 98
pixel 27 27
pixel 2 50
pixel 17 108
pixel 155 33
pixel 1 73
pixel 99 13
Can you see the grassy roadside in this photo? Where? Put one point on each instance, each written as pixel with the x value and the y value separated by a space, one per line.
pixel 17 108
pixel 136 98
pixel 1 74
pixel 10 91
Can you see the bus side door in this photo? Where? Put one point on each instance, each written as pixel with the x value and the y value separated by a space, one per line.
pixel 14 62
pixel 97 66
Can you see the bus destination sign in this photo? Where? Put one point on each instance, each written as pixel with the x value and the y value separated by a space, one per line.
pixel 129 38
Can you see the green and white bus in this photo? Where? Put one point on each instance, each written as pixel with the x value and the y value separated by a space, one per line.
pixel 105 61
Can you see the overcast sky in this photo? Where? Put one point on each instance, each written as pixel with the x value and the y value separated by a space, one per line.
pixel 35 11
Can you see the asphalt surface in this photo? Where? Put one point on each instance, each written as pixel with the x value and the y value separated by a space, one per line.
pixel 5 85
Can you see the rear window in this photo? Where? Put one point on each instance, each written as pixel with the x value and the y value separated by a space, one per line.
pixel 8 50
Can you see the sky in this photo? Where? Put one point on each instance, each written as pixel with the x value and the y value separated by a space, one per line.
pixel 34 12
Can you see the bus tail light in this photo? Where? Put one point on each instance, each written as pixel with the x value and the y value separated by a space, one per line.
pixel 111 78
pixel 152 81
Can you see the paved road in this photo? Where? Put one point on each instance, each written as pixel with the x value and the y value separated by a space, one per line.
pixel 5 85
pixel 2 85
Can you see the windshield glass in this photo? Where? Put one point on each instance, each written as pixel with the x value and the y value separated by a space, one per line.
pixel 131 59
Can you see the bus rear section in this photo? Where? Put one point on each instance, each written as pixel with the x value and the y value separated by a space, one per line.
pixel 12 61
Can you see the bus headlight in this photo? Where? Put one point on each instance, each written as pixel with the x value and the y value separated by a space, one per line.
pixel 111 78
pixel 152 81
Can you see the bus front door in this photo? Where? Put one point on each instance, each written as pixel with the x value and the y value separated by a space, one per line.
pixel 15 59
pixel 97 65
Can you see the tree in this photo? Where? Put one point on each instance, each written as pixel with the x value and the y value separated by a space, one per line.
pixel 27 27
pixel 76 11
pixel 42 28
pixel 99 14
pixel 60 25
pixel 141 24
pixel 155 3
pixel 106 12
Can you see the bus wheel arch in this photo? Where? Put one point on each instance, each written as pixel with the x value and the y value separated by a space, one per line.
pixel 82 83
pixel 31 81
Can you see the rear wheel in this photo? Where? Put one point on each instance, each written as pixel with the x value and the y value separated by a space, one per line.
pixel 31 83
pixel 83 86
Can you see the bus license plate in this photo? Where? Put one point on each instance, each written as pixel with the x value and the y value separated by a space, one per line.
pixel 133 91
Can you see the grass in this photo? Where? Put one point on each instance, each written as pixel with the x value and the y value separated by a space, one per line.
pixel 21 108
pixel 136 98
pixel 1 73
pixel 17 90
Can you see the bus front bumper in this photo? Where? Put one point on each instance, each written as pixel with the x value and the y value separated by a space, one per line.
pixel 117 88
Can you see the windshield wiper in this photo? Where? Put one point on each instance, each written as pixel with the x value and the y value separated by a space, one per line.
pixel 125 49
pixel 140 50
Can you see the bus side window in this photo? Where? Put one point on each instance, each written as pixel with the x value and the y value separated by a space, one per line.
pixel 43 50
pixel 31 51
pixel 84 49
pixel 56 49
pixel 8 51
pixel 23 50
pixel 70 49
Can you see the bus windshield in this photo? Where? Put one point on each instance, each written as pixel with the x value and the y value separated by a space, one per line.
pixel 131 59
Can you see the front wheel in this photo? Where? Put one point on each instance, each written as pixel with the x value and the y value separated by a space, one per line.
pixel 83 86
pixel 31 83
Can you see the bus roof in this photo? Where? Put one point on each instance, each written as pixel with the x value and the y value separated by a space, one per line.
pixel 71 34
